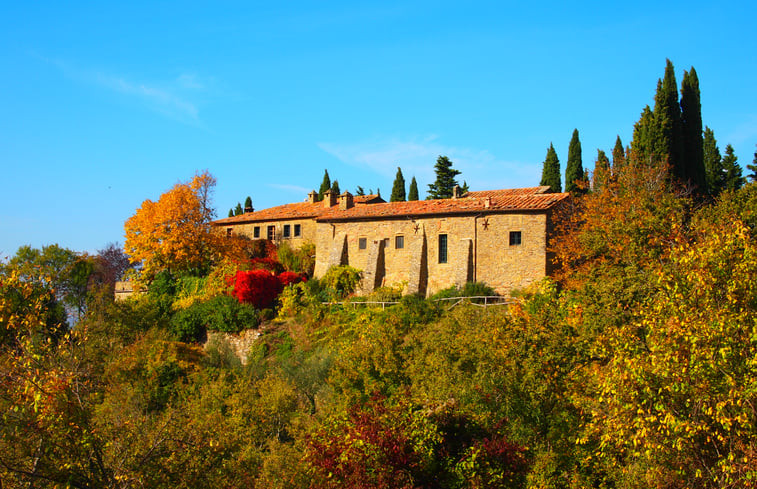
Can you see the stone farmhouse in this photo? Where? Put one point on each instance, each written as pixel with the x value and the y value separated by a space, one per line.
pixel 498 237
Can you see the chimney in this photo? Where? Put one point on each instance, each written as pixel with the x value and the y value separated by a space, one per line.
pixel 329 198
pixel 487 202
pixel 456 192
pixel 249 209
pixel 313 197
pixel 346 201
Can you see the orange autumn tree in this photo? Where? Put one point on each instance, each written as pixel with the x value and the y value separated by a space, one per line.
pixel 174 233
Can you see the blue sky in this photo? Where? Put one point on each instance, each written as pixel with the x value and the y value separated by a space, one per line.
pixel 103 106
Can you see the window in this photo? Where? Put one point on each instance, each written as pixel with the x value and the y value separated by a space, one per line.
pixel 287 230
pixel 442 248
pixel 228 232
pixel 271 233
pixel 515 238
pixel 256 232
pixel 296 230
pixel 362 243
pixel 399 242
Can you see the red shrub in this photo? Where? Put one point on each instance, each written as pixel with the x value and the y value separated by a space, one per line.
pixel 287 278
pixel 257 287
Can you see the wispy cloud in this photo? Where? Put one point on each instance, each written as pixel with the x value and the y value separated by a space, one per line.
pixel 173 98
pixel 417 156
pixel 290 188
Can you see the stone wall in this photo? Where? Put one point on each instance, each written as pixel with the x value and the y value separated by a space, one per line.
pixel 307 230
pixel 478 248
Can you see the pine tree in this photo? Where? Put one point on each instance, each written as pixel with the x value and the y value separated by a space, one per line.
pixel 398 188
pixel 601 170
pixel 335 188
pixel 713 164
pixel 238 211
pixel 413 192
pixel 753 168
pixel 668 142
pixel 359 190
pixel 618 155
pixel 692 164
pixel 574 170
pixel 550 174
pixel 325 185
pixel 733 178
pixel 445 180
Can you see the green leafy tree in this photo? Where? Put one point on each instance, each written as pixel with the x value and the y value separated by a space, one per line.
pixel 325 185
pixel 692 165
pixel 445 180
pixel 574 170
pixel 733 177
pixel 601 170
pixel 753 168
pixel 618 155
pixel 713 163
pixel 550 174
pixel 398 188
pixel 413 192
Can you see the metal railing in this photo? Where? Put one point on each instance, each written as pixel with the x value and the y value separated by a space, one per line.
pixel 488 300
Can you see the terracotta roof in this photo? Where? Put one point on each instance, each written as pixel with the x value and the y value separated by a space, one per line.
pixel 508 191
pixel 513 201
pixel 297 210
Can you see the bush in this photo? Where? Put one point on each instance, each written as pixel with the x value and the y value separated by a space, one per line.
pixel 342 280
pixel 257 287
pixel 300 260
pixel 221 313
pixel 288 278
pixel 470 289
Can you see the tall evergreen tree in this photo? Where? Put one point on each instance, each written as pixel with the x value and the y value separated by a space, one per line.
pixel 618 155
pixel 668 143
pixel 574 170
pixel 359 190
pixel 713 164
pixel 248 204
pixel 692 164
pixel 238 210
pixel 733 178
pixel 231 212
pixel 398 188
pixel 335 188
pixel 644 136
pixel 445 180
pixel 753 168
pixel 413 192
pixel 464 189
pixel 550 173
pixel 601 170
pixel 325 185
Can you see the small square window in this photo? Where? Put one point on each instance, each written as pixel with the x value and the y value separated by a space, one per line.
pixel 442 248
pixel 362 243
pixel 399 242
pixel 515 238
pixel 228 232
pixel 256 232
pixel 287 230
pixel 296 230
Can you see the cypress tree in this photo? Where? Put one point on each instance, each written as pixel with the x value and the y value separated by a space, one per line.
pixel 550 173
pixel 445 180
pixel 325 185
pixel 601 170
pixel 692 164
pixel 644 135
pixel 248 204
pixel 464 188
pixel 733 178
pixel 398 188
pixel 231 212
pixel 335 188
pixel 413 193
pixel 238 210
pixel 713 164
pixel 359 190
pixel 753 168
pixel 574 170
pixel 668 137
pixel 618 155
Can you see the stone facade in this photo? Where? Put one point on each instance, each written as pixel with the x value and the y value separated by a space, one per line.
pixel 497 237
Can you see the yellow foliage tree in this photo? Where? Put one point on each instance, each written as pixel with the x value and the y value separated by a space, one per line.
pixel 175 233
